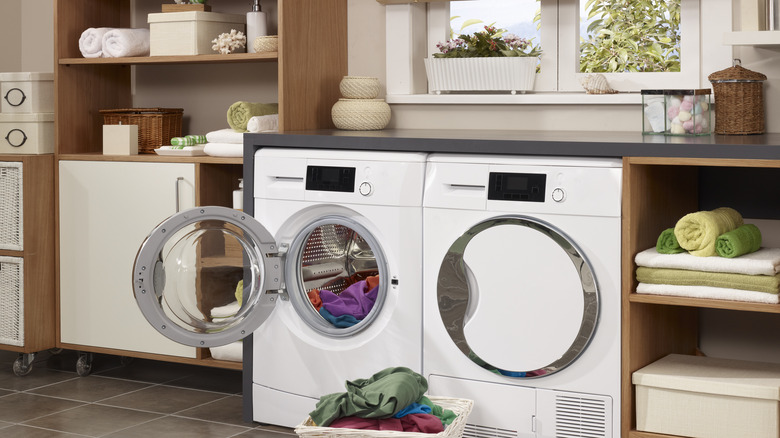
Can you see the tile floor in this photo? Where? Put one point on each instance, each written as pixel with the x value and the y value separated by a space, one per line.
pixel 142 398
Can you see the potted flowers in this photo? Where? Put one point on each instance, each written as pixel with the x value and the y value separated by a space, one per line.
pixel 489 60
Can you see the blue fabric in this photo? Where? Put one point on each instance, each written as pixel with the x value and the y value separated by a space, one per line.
pixel 414 408
pixel 342 321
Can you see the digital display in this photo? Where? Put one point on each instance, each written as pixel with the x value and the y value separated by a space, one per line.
pixel 516 182
pixel 523 187
pixel 330 178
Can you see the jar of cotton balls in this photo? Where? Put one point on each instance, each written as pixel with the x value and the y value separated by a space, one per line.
pixel 677 112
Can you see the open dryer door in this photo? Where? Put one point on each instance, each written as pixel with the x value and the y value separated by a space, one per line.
pixel 207 276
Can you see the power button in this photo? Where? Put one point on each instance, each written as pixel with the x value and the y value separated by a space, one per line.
pixel 365 188
pixel 558 195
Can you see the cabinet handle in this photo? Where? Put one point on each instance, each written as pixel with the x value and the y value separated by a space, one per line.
pixel 8 138
pixel 178 181
pixel 24 97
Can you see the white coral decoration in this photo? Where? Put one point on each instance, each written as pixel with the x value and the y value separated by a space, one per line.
pixel 227 43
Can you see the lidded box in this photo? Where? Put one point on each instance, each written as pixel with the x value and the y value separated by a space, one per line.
pixel 677 112
pixel 697 396
pixel 189 33
pixel 740 96
pixel 27 92
pixel 27 133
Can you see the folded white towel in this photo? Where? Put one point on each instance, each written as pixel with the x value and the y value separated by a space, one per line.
pixel 91 42
pixel 226 311
pixel 118 43
pixel 227 135
pixel 765 261
pixel 267 123
pixel 233 352
pixel 224 149
pixel 717 293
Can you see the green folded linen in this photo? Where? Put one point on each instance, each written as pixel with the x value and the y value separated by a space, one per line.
pixel 239 113
pixel 698 232
pixel 679 277
pixel 380 396
pixel 667 243
pixel 743 240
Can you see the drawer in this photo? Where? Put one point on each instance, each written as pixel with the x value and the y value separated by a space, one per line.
pixel 11 217
pixel 12 301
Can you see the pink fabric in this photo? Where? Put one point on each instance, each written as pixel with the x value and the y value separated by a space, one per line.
pixel 422 423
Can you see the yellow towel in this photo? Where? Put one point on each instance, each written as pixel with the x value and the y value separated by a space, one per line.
pixel 698 232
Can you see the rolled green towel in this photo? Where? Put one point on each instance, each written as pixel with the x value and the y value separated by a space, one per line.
pixel 743 240
pixel 182 141
pixel 239 113
pixel 667 243
pixel 197 139
pixel 698 232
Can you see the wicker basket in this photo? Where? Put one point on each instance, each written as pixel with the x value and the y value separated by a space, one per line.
pixel 739 100
pixel 267 43
pixel 156 126
pixel 361 114
pixel 461 407
pixel 359 87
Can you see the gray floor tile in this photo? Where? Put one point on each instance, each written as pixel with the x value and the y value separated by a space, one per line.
pixel 37 378
pixel 3 424
pixel 90 388
pixel 177 427
pixel 211 379
pixel 3 392
pixel 19 431
pixel 163 399
pixel 17 408
pixel 93 420
pixel 268 432
pixel 227 410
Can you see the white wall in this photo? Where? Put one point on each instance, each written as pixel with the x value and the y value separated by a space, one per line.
pixel 10 31
pixel 37 32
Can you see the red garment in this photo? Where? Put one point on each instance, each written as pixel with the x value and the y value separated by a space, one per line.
pixel 421 423
pixel 314 297
pixel 372 282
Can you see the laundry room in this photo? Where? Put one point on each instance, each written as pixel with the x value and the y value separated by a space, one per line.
pixel 290 198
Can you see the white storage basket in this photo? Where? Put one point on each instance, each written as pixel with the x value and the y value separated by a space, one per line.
pixel 11 301
pixel 27 92
pixel 11 220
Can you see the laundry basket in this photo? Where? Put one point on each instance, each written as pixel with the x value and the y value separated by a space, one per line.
pixel 460 406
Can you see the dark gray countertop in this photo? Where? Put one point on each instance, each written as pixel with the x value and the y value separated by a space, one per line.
pixel 565 143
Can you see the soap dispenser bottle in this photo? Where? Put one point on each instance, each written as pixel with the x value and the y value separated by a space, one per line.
pixel 238 196
pixel 256 26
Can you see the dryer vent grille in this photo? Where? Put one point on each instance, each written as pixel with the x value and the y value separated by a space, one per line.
pixel 474 431
pixel 580 417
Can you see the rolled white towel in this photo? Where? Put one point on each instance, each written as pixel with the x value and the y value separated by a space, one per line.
pixel 227 135
pixel 118 43
pixel 224 149
pixel 263 123
pixel 91 42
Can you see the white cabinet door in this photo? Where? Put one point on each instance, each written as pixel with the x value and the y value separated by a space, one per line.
pixel 106 211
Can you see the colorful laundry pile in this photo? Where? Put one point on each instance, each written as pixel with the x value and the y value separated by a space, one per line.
pixel 391 399
pixel 711 254
pixel 349 307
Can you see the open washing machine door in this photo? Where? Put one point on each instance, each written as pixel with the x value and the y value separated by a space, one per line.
pixel 208 276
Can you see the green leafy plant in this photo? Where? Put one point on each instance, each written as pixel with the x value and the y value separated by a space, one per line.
pixel 631 36
pixel 490 42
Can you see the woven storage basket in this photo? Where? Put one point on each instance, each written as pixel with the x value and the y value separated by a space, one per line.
pixel 267 43
pixel 359 87
pixel 11 202
pixel 361 114
pixel 739 100
pixel 156 126
pixel 461 407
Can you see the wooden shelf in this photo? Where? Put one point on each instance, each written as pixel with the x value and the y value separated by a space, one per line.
pixel 702 302
pixel 196 59
pixel 152 158
pixel 752 38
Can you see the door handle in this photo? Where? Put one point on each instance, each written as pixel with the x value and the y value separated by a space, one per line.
pixel 176 190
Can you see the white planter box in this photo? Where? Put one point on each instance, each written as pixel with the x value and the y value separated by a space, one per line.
pixel 189 33
pixel 27 133
pixel 705 397
pixel 511 74
pixel 27 92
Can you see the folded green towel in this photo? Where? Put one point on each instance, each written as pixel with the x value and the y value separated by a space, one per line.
pixel 380 396
pixel 698 232
pixel 667 243
pixel 743 240
pixel 680 277
pixel 239 113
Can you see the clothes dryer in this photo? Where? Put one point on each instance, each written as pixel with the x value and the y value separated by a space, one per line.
pixel 522 292
pixel 344 222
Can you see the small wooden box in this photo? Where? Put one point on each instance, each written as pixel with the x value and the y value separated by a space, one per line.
pixel 189 33
pixel 27 92
pixel 27 133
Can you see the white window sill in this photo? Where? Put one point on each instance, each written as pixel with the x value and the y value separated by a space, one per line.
pixel 539 98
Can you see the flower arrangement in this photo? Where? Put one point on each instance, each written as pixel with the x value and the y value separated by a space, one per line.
pixel 491 42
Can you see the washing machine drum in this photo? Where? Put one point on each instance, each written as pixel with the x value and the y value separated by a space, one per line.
pixel 518 297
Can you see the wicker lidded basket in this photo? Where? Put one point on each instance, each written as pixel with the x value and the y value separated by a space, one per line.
pixel 156 126
pixel 739 100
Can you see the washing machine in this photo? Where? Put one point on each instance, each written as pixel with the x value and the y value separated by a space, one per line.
pixel 521 304
pixel 333 230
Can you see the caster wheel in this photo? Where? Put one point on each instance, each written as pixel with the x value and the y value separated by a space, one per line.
pixel 84 365
pixel 21 368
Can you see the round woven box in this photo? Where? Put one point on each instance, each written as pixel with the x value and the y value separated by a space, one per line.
pixel 361 114
pixel 359 87
pixel 269 43
pixel 739 100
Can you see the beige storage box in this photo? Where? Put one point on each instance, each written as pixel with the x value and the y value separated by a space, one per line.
pixel 27 133
pixel 190 33
pixel 27 92
pixel 705 397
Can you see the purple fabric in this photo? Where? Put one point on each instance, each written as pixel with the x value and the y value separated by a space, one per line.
pixel 421 423
pixel 353 301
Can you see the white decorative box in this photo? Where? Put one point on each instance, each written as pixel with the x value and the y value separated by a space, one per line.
pixel 702 397
pixel 27 92
pixel 511 74
pixel 27 133
pixel 189 33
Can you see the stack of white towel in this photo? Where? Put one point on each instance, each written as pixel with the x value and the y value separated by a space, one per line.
pixel 106 42
pixel 230 143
